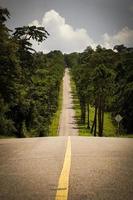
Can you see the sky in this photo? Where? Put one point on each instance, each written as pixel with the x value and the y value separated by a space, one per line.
pixel 75 24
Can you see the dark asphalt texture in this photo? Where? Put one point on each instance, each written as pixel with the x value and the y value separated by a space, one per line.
pixel 30 168
pixel 101 168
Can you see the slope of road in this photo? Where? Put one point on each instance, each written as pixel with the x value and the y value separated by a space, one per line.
pixel 67 125
pixel 101 168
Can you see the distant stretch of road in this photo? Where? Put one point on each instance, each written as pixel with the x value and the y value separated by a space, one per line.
pixel 68 167
pixel 67 120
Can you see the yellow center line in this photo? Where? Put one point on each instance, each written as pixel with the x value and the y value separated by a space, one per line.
pixel 63 184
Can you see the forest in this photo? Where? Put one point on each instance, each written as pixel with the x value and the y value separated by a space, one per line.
pixel 30 82
pixel 104 80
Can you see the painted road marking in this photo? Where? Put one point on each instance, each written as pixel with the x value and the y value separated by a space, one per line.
pixel 63 184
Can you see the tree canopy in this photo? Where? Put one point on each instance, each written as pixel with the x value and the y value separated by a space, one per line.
pixel 104 80
pixel 29 81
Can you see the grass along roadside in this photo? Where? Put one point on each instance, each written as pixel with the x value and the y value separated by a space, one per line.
pixel 56 118
pixel 6 137
pixel 109 128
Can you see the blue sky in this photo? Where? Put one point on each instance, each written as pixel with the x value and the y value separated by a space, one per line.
pixel 75 24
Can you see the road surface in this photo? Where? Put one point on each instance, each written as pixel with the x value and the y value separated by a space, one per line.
pixel 67 119
pixel 68 167
pixel 101 168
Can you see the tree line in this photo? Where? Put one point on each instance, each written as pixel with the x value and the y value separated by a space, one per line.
pixel 104 80
pixel 29 81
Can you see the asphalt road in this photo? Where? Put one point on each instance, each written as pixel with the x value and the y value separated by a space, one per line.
pixel 67 121
pixel 30 168
pixel 101 168
pixel 96 168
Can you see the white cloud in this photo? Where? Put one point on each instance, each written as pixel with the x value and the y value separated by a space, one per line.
pixel 62 36
pixel 125 36
pixel 35 23
pixel 67 39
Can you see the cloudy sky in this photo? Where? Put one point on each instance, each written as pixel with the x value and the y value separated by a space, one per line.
pixel 75 24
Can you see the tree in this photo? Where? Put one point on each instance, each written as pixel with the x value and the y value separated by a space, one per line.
pixel 124 89
pixel 29 81
pixel 94 78
pixel 10 73
pixel 25 33
pixel 103 79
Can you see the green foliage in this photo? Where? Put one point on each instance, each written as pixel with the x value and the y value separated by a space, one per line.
pixel 6 125
pixel 29 82
pixel 124 91
pixel 103 80
pixel 25 33
pixel 31 32
pixel 109 128
pixel 56 117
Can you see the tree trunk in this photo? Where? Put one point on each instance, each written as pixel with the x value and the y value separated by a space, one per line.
pixel 83 111
pixel 99 116
pixel 94 125
pixel 102 120
pixel 20 133
pixel 88 112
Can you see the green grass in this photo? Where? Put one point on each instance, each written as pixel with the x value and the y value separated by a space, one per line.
pixel 109 128
pixel 56 118
pixel 6 137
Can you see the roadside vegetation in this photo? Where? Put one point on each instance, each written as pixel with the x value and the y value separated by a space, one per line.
pixel 29 81
pixel 109 129
pixel 56 117
pixel 103 81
